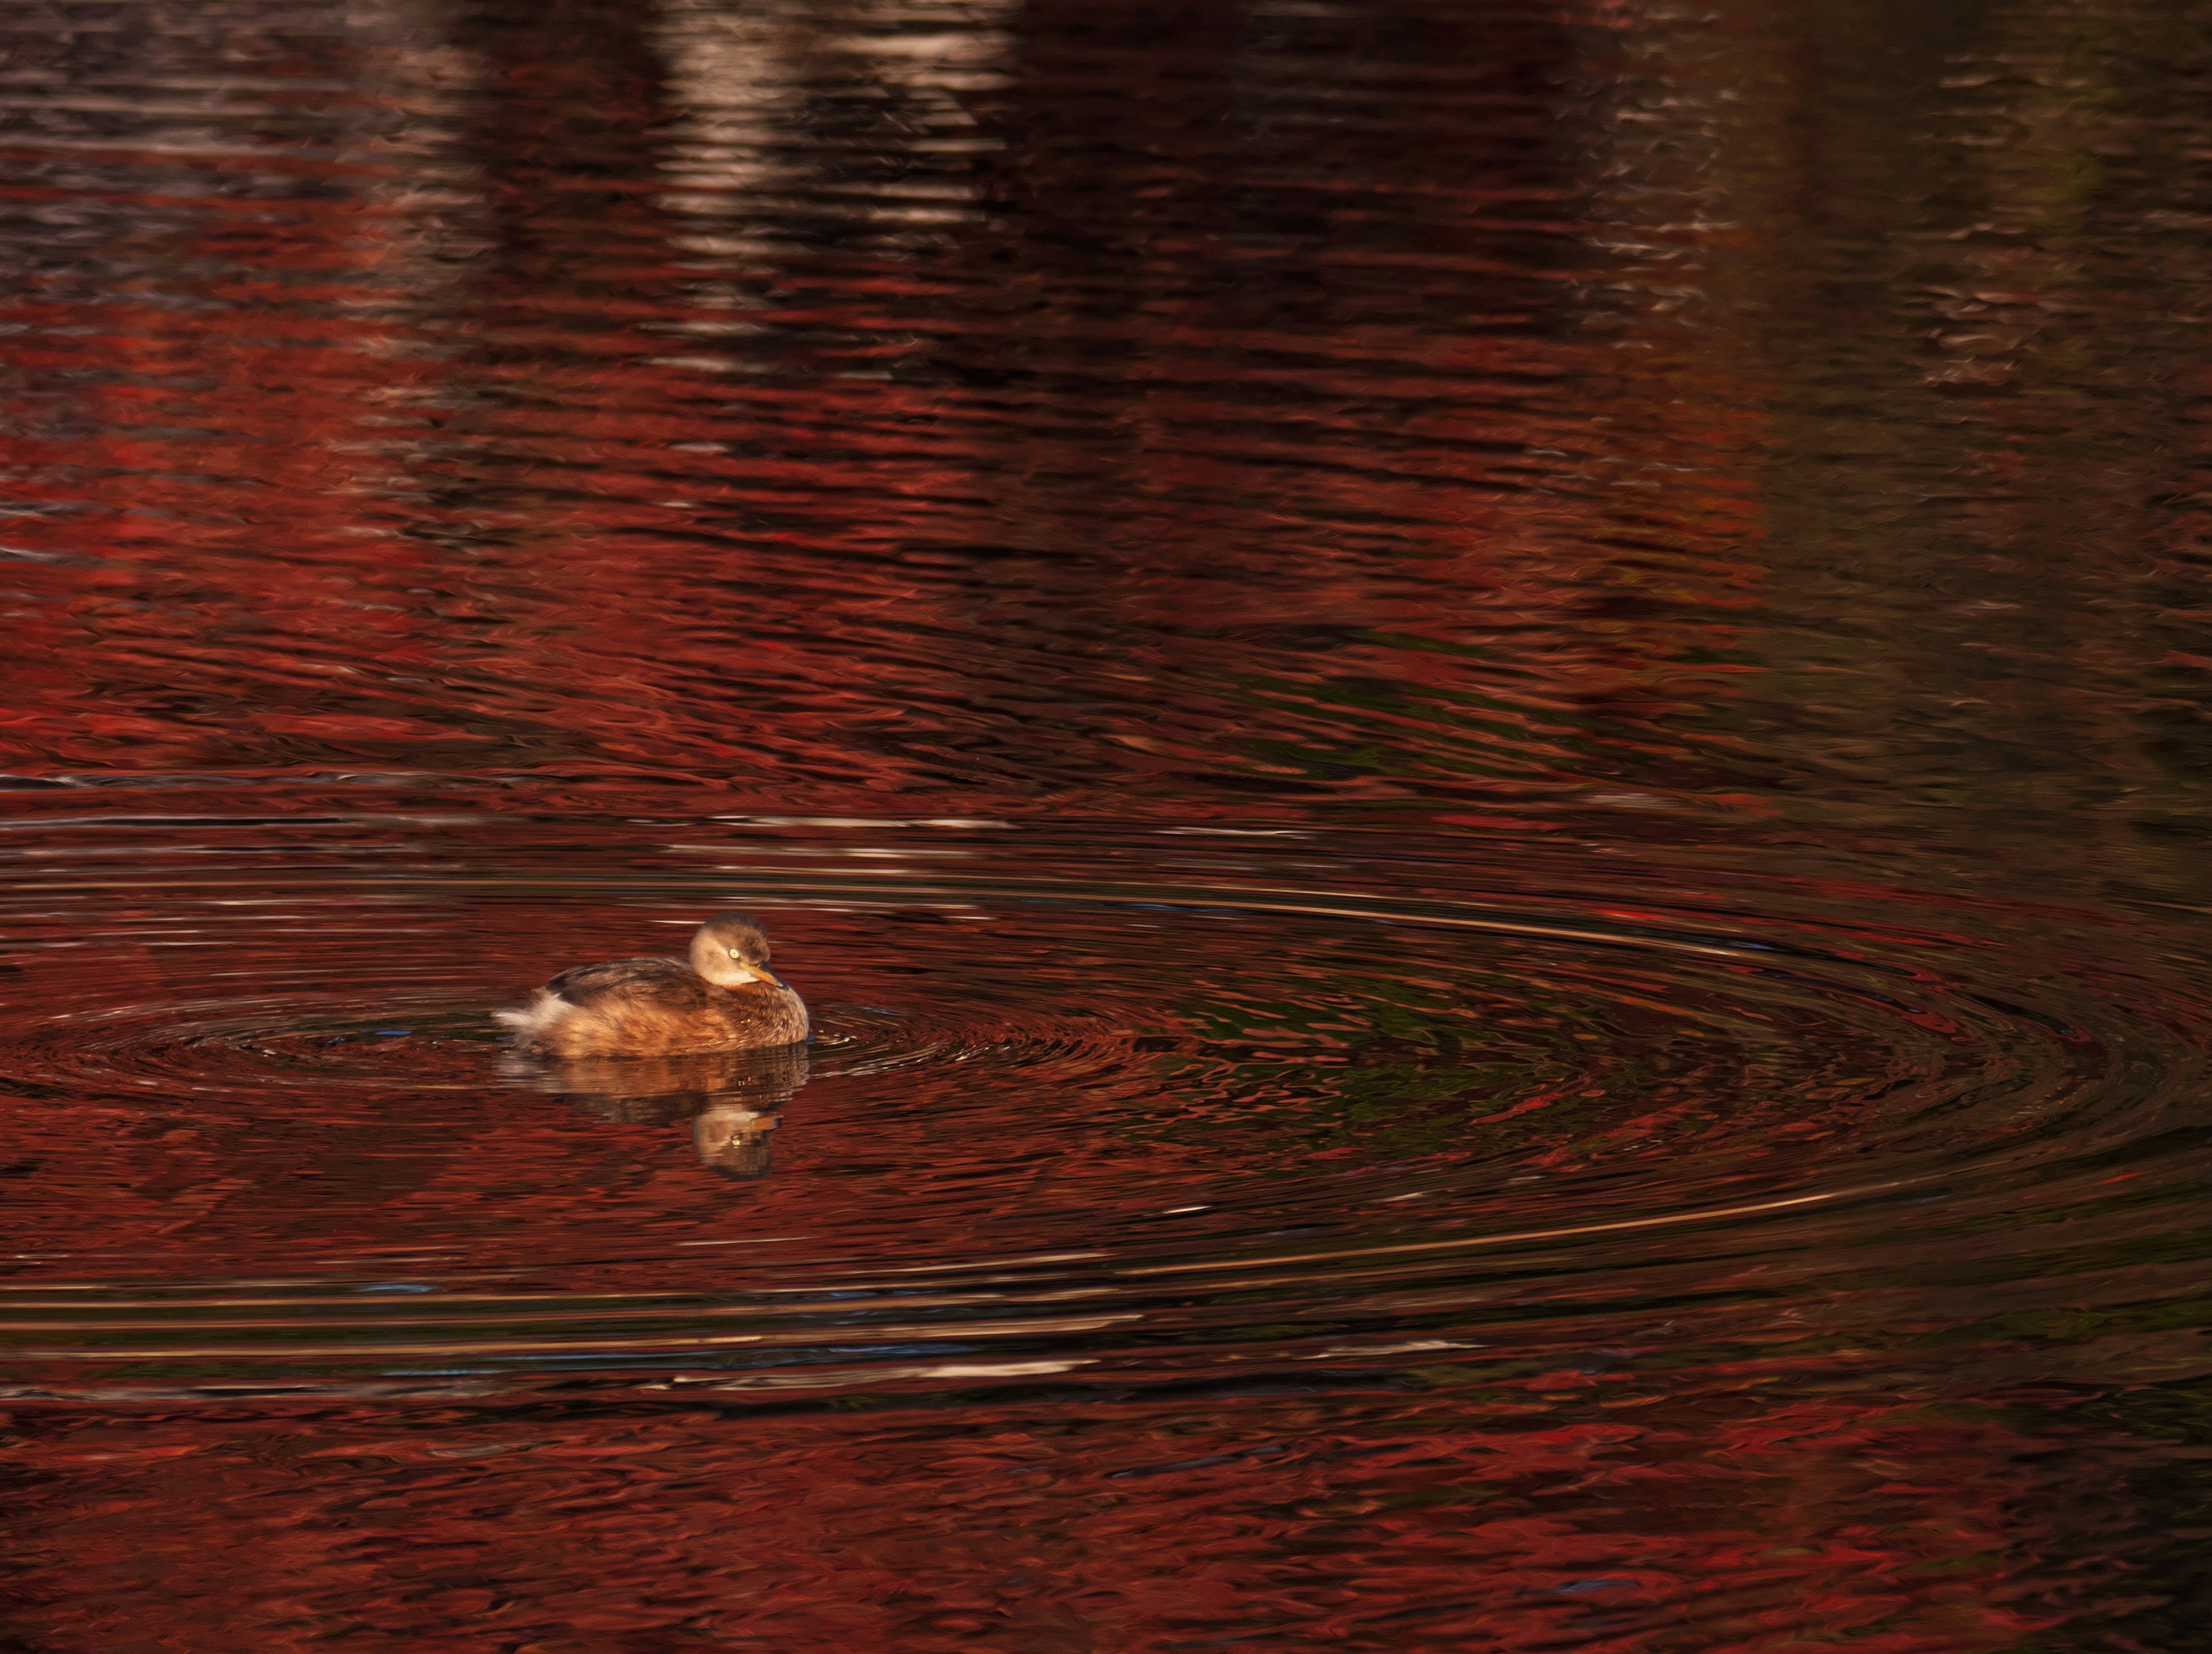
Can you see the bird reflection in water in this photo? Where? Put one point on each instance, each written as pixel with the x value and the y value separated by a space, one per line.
pixel 731 1099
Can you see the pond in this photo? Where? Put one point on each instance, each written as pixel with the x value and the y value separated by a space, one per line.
pixel 1481 728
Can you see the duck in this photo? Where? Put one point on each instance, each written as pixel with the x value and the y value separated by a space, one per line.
pixel 724 999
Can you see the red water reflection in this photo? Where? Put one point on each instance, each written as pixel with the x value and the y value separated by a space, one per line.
pixel 1391 1520
pixel 352 506
pixel 1281 419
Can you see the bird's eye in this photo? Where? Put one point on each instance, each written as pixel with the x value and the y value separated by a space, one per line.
pixel 733 953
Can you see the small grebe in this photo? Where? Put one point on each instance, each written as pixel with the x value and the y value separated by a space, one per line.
pixel 726 999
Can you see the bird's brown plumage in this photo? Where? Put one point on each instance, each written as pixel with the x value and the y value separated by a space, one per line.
pixel 651 1007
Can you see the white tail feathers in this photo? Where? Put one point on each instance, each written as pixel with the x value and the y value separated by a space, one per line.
pixel 539 1014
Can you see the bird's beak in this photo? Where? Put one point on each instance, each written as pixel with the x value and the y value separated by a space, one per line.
pixel 762 973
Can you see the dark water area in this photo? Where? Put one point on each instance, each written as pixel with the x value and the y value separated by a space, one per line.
pixel 1481 728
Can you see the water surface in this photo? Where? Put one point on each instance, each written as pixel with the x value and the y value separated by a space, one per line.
pixel 1480 729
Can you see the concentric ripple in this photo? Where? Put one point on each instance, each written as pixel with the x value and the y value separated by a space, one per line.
pixel 1265 1104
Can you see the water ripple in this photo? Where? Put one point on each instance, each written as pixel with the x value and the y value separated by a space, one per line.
pixel 1056 1120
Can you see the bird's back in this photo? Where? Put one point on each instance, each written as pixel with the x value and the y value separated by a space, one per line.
pixel 669 982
